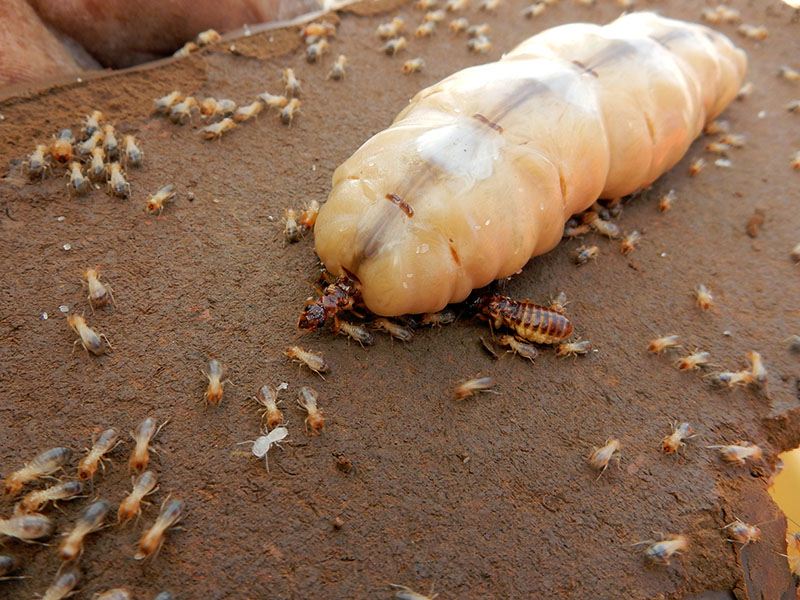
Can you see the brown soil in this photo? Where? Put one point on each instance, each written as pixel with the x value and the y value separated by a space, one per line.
pixel 489 498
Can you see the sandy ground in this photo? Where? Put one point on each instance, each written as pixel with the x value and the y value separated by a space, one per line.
pixel 489 498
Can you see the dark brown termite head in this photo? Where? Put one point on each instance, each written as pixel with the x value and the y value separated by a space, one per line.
pixel 342 294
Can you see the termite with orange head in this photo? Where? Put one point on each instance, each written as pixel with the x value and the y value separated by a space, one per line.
pixel 309 216
pixel 289 111
pixel 703 297
pixel 795 164
pixel 661 552
pixel 143 485
pixel 479 44
pixel 788 73
pixel 34 501
pixel 753 32
pixel 425 4
pixel 353 331
pixel 209 36
pixel 183 110
pixel 100 293
pixel 307 399
pixel 474 386
pixel 61 148
pixel 743 533
pixel 437 16
pixel 87 337
pixel 665 202
pixel 413 65
pixel 155 203
pixel 697 165
pixel 151 541
pixel 456 5
pixel 694 361
pixel 215 130
pixel 739 452
pixel 290 82
pixel 427 29
pixel 104 444
pixel 117 186
pixel 601 457
pixel 458 25
pixel 45 463
pixel 268 398
pixel 215 388
pixel 78 184
pixel 674 440
pixel 142 436
pixel 91 520
pixel 211 106
pixel 660 344
pixel 318 29
pixel 165 103
pixel 574 348
pixel 630 242
pixel 251 111
pixel 315 362
pixel 26 527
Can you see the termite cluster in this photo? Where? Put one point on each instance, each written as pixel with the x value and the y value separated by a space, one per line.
pixel 30 523
pixel 98 155
pixel 204 38
pixel 599 219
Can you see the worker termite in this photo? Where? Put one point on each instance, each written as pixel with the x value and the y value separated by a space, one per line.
pixel 100 293
pixel 97 168
pixel 473 386
pixel 665 202
pixel 44 463
pixel 155 203
pixel 745 91
pixel 458 25
pixel 793 106
pixel 403 334
pixel 143 485
pixel 337 71
pixel 402 592
pixel 61 148
pixel 89 339
pixel 353 331
pixel 660 344
pixel 37 163
pixel 395 45
pixel 268 398
pixel 78 184
pixel 26 527
pixel 133 155
pixel 151 541
pixel 414 65
pixel 480 44
pixel 62 586
pixel 211 106
pixel 289 111
pixel 142 436
pixel 717 127
pixel 534 10
pixel 427 29
pixel 315 362
pixel 117 185
pixel 585 253
pixel 721 14
pixel 91 520
pixel 85 147
pixel 571 231
pixel 437 319
pixel 630 241
pixel 115 594
pixel 245 113
pixel 603 227
pixel 215 388
pixel 703 297
pixel 307 400
pixel 186 49
pixel 318 30
pixel 757 368
pixel 262 444
pixel 731 378
pixel 752 32
pixel 316 50
pixel 674 440
pixel 290 82
pixel 273 100
pixel 739 452
pixel 733 140
pixel 436 16
pixel 742 533
pixel 88 465
pixel 718 147
pixel 601 457
pixel 456 5
pixel 182 110
pixel 215 130
pixel 694 361
pixel 479 30
pixel 697 165
pixel 165 103
pixel 209 36
pixel 34 501
pixel 560 303
pixel 308 217
pixel 661 552
pixel 517 346
pixel 93 123
pixel 530 321
pixel 291 230
pixel 426 4
pixel 110 143
pixel 490 5
pixel 390 30
pixel 574 348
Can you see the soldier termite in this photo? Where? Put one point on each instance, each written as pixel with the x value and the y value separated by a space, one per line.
pixel 739 452
pixel 458 25
pixel 93 123
pixel 100 293
pixel 115 594
pixel 309 216
pixel 399 332
pixel 289 111
pixel 742 533
pixel 316 50
pixel 88 338
pixel 694 361
pixel 480 44
pixel 165 103
pixel 262 445
pixel 530 321
pixel 183 110
pixel 268 398
pixel 414 65
pixel 674 440
pixel 143 485
pixel 211 106
pixel 151 541
pixel 155 203
pixel 574 348
pixel 697 165
pixel 26 527
pixel 315 362
pixel 290 82
pixel 62 586
pixel 61 148
pixel 402 592
pixel 534 10
pixel 91 520
pixel 307 399
pixel 215 130
pixel 394 45
pixel 117 185
pixel 245 113
pixel 473 386
pixel 209 36
pixel 215 388
pixel 661 552
pixel 88 465
pixel 391 29
pixel 78 184
pixel 585 253
pixel 37 163
pixel 629 242
pixel 703 297
pixel 757 368
pixel 353 331
pixel 517 346
pixel 85 147
pixel 110 143
pixel 133 155
pixel 45 463
pixel 97 167
pixel 660 344
pixel 337 71
pixel 601 457
pixel 437 319
pixel 665 202
pixel 291 231
pixel 426 29
pixel 142 436
pixel 36 500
